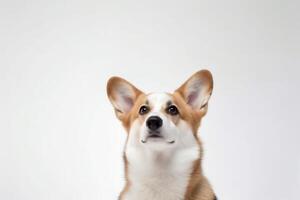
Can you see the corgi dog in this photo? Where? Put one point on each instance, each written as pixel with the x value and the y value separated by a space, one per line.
pixel 163 151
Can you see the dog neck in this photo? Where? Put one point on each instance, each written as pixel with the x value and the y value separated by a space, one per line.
pixel 159 175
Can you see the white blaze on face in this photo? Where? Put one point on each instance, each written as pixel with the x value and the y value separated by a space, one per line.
pixel 158 100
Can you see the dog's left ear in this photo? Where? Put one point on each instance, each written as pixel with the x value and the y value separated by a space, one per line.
pixel 122 95
pixel 197 90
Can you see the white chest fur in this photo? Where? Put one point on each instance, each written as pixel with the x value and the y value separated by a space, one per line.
pixel 159 176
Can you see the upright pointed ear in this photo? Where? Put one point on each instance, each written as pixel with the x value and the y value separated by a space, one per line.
pixel 197 90
pixel 122 95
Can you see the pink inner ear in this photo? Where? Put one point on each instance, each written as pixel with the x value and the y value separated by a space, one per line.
pixel 191 98
pixel 128 102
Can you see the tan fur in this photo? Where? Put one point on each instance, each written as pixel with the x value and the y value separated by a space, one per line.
pixel 198 187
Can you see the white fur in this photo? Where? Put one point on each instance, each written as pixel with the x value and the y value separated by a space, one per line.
pixel 157 169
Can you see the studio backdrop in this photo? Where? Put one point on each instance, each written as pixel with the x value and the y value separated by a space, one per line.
pixel 59 138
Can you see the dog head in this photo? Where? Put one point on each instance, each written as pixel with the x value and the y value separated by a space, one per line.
pixel 159 121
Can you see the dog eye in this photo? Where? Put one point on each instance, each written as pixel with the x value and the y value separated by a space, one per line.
pixel 144 110
pixel 172 110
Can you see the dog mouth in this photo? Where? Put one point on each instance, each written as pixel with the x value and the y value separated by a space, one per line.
pixel 152 136
pixel 155 136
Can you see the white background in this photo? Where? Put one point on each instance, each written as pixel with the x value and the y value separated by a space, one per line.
pixel 59 138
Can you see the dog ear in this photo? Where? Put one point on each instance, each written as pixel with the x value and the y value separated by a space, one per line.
pixel 122 95
pixel 197 90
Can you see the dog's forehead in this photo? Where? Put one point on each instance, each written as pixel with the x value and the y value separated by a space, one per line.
pixel 159 99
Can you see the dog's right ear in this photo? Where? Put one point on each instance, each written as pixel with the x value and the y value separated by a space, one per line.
pixel 122 95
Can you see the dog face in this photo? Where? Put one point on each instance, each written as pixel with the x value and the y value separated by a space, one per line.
pixel 161 121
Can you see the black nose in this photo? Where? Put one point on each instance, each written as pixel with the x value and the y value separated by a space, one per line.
pixel 154 123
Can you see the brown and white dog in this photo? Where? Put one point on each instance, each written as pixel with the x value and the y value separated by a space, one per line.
pixel 163 151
